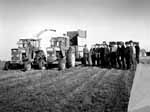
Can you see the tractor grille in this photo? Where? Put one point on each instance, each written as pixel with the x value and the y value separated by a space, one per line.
pixel 15 57
pixel 58 54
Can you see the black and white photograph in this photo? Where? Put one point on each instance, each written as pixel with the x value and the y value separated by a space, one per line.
pixel 74 55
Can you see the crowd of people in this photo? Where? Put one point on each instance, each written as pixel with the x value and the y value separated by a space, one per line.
pixel 120 55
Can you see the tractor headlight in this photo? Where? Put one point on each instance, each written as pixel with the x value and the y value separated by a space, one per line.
pixel 53 54
pixel 17 55
pixel 48 55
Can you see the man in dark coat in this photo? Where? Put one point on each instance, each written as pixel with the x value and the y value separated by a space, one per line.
pixel 113 50
pixel 137 50
pixel 93 55
pixel 119 54
pixel 127 55
pixel 106 56
pixel 123 55
pixel 102 56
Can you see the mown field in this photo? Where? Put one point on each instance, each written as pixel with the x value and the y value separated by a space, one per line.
pixel 79 89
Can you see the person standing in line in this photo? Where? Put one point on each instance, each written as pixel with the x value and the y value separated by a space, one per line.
pixel 102 58
pixel 106 56
pixel 119 55
pixel 85 55
pixel 137 50
pixel 93 55
pixel 110 49
pixel 113 54
pixel 132 55
pixel 123 55
pixel 96 55
pixel 90 58
pixel 127 55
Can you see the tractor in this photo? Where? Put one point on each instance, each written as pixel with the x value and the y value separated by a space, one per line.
pixel 54 52
pixel 74 40
pixel 28 55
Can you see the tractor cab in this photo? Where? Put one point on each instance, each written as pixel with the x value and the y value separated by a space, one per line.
pixel 15 55
pixel 26 43
pixel 18 55
pixel 28 47
pixel 53 52
pixel 55 42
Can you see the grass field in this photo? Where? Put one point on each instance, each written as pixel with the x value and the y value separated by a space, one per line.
pixel 79 89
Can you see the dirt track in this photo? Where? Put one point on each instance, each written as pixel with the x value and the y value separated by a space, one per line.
pixel 80 89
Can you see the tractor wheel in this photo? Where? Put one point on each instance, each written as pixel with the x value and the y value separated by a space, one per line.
pixel 62 64
pixel 7 65
pixel 27 66
pixel 42 65
pixel 70 61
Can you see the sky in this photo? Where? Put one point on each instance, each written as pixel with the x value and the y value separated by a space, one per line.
pixel 104 20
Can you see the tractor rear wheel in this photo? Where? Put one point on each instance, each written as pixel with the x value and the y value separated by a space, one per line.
pixel 27 66
pixel 70 60
pixel 62 64
pixel 42 65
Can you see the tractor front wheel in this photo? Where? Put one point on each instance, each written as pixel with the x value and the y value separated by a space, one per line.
pixel 42 65
pixel 27 66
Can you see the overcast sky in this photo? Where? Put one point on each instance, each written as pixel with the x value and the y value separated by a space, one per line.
pixel 103 19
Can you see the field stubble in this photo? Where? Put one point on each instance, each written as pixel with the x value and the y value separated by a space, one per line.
pixel 79 89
